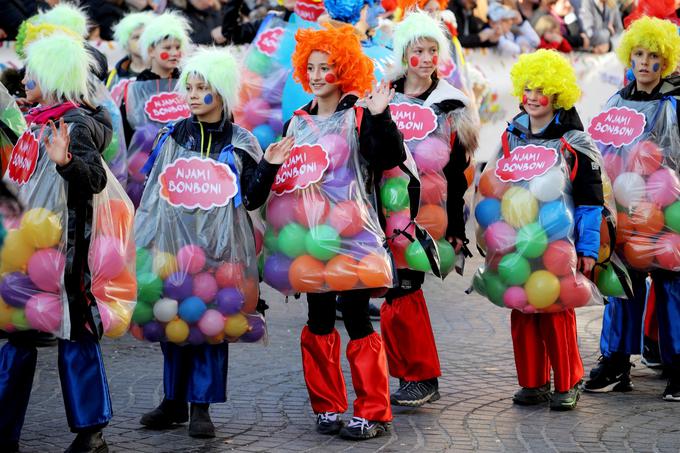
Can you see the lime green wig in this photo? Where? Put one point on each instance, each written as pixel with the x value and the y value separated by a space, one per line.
pixel 131 22
pixel 167 25
pixel 219 69
pixel 655 35
pixel 549 71
pixel 20 43
pixel 66 15
pixel 32 33
pixel 61 65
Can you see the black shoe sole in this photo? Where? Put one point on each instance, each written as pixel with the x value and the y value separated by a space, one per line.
pixel 201 435
pixel 531 402
pixel 381 429
pixel 619 386
pixel 159 426
pixel 329 430
pixel 415 403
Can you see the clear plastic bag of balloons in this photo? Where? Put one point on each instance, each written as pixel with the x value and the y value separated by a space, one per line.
pixel 525 220
pixel 149 105
pixel 13 123
pixel 196 261
pixel 640 146
pixel 34 255
pixel 323 232
pixel 115 153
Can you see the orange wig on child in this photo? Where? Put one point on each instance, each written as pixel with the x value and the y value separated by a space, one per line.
pixel 404 6
pixel 353 69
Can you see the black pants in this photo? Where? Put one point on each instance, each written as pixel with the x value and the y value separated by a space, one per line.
pixel 321 317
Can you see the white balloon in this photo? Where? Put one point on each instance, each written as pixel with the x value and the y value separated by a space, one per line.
pixel 549 186
pixel 629 189
pixel 165 310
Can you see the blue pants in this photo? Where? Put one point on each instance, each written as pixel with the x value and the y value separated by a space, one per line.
pixel 623 321
pixel 83 384
pixel 195 374
pixel 667 288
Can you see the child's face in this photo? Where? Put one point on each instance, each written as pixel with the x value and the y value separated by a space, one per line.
pixel 133 42
pixel 537 104
pixel 647 66
pixel 321 75
pixel 432 8
pixel 167 54
pixel 33 93
pixel 422 58
pixel 202 99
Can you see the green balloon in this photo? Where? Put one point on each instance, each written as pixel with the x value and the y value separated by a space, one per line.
pixel 291 240
pixel 143 313
pixel 531 240
pixel 478 284
pixel 447 256
pixel 495 288
pixel 258 62
pixel 514 269
pixel 111 150
pixel 271 241
pixel 260 265
pixel 149 287
pixel 416 258
pixel 322 242
pixel 394 194
pixel 144 260
pixel 19 320
pixel 672 216
pixel 608 282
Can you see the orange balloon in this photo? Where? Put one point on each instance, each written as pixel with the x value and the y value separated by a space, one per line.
pixel 306 274
pixel 647 219
pixel 639 252
pixel 123 288
pixel 115 219
pixel 433 218
pixel 341 273
pixel 491 186
pixel 604 232
pixel 250 288
pixel 252 86
pixel 624 228
pixel 375 271
pixel 470 173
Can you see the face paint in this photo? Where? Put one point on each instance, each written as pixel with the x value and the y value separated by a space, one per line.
pixel 435 60
pixel 414 61
pixel 632 64
pixel 524 99
pixel 208 99
pixel 164 55
pixel 31 84
pixel 655 67
pixel 330 78
pixel 544 100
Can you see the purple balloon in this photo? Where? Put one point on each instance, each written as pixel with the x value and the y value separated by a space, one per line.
pixel 256 332
pixel 229 301
pixel 153 331
pixel 361 245
pixel 196 337
pixel 337 183
pixel 16 288
pixel 275 272
pixel 135 190
pixel 143 138
pixel 178 286
pixel 276 124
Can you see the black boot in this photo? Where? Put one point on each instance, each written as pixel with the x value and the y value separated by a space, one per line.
pixel 532 396
pixel 416 393
pixel 167 414
pixel 361 429
pixel 200 424
pixel 88 442
pixel 612 374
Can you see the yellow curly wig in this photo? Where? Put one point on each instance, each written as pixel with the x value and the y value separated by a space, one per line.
pixel 353 68
pixel 655 35
pixel 549 71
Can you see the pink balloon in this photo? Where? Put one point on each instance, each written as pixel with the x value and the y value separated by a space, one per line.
pixel 191 259
pixel 211 323
pixel 337 148
pixel 515 297
pixel 135 164
pixel 280 210
pixel 431 155
pixel 500 238
pixel 259 241
pixel 105 315
pixel 107 257
pixel 432 188
pixel 205 287
pixel 575 290
pixel 398 220
pixel 44 312
pixel 256 111
pixel 393 173
pixel 668 251
pixel 663 187
pixel 45 268
pixel 613 165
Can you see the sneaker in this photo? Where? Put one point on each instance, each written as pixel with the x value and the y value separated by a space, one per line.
pixel 359 429
pixel 200 424
pixel 532 396
pixel 416 393
pixel 328 423
pixel 611 375
pixel 373 312
pixel 167 414
pixel 88 442
pixel 565 401
pixel 651 355
pixel 672 392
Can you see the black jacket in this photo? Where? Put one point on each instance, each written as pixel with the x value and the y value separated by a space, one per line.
pixel 667 87
pixel 14 12
pixel 469 27
pixel 202 22
pixel 238 32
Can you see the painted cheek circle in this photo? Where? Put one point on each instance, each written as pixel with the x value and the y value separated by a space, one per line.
pixel 524 99
pixel 414 61
pixel 208 99
pixel 544 101
pixel 165 55
pixel 435 60
pixel 656 67
pixel 632 64
pixel 330 78
pixel 30 84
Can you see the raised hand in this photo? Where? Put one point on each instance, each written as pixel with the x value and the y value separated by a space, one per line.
pixel 57 144
pixel 379 98
pixel 278 152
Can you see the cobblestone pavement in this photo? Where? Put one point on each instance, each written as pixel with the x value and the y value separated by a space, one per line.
pixel 268 407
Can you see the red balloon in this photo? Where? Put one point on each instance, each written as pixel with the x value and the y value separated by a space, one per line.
pixel 432 188
pixel 575 290
pixel 491 186
pixel 345 217
pixel 668 254
pixel 645 158
pixel 560 258
pixel 229 275
pixel 311 209
pixel 639 251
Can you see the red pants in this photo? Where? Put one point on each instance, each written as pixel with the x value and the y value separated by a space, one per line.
pixel 542 341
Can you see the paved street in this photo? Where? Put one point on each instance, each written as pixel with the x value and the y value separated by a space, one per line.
pixel 268 408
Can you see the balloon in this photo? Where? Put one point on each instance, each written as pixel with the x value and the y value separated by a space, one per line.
pixel 446 256
pixel 111 150
pixel 416 257
pixel 375 271
pixel 46 268
pixel 478 283
pixel 211 323
pixel 265 135
pixel 306 274
pixel 149 287
pixel 639 252
pixel 120 289
pixel 663 187
pixel 337 148
pixel 487 211
pixel 275 272
pixel 228 301
pixel 195 336
pixel 575 290
pixel 431 155
pixel 432 188
pixel 191 259
pixel 613 165
pixel 19 320
pixel 177 331
pixel 312 209
pixel 338 183
pixel 118 320
pixel 518 207
pixel 153 331
pixel 542 289
pixel 515 297
pixel 341 273
pixel 629 189
pixel 514 269
pixel 16 252
pixel 499 238
pixel 433 218
pixel 164 264
pixel 135 164
pixel 292 240
pixel 143 260
pixel 495 288
pixel 672 216
pixel 492 187
pixel 556 219
pixel 624 228
pixel 44 312
pixel 470 174
pixel 251 291
pixel 107 257
pixel 229 274
pixel 399 220
pixel 256 111
pixel 560 258
pixel 16 288
pixel 143 313
pixel 645 158
pixel 549 186
pixel 253 87
pixel 362 244
pixel 271 241
pixel 205 286
pixel 165 310
pixel 345 217
pixel 258 62
pixel 41 228
pixel 191 309
pixel 178 286
pixel 5 315
pixel 322 242
pixel 256 330
pixel 394 194
pixel 279 210
pixel 235 326
pixel 115 218
pixel 608 282
pixel 531 241
pixel 668 253
pixel 259 239
pixel 647 219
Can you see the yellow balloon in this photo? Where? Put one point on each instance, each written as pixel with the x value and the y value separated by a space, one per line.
pixel 164 264
pixel 519 207
pixel 15 252
pixel 5 315
pixel 606 187
pixel 120 319
pixel 604 253
pixel 177 331
pixel 542 289
pixel 235 325
pixel 41 228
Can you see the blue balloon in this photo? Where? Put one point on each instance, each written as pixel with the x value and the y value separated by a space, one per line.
pixel 380 55
pixel 264 134
pixel 487 212
pixel 556 219
pixel 294 97
pixel 191 309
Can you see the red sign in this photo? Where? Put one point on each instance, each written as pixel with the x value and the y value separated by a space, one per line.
pixel 617 126
pixel 525 163
pixel 414 121
pixel 309 9
pixel 118 90
pixel 305 165
pixel 447 68
pixel 167 107
pixel 268 41
pixel 197 183
pixel 23 159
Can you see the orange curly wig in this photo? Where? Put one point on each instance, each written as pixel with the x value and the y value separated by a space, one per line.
pixel 406 5
pixel 353 68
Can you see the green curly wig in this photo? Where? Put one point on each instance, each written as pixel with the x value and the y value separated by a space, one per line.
pixel 20 43
pixel 167 25
pixel 128 24
pixel 655 35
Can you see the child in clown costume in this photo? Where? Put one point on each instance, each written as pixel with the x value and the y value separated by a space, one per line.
pixel 127 33
pixel 419 44
pixel 197 373
pixel 56 79
pixel 651 48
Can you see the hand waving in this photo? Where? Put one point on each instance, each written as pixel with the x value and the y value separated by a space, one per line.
pixel 57 147
pixel 379 98
pixel 278 152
